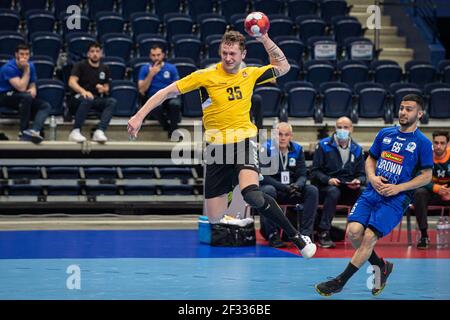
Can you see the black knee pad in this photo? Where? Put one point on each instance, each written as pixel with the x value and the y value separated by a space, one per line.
pixel 253 196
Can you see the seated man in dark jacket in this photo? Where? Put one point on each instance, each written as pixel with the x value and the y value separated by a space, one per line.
pixel 338 172
pixel 288 184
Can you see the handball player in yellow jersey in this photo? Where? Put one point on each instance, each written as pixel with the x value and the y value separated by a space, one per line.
pixel 226 92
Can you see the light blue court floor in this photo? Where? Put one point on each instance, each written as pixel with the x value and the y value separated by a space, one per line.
pixel 172 265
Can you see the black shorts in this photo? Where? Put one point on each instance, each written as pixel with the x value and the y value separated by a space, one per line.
pixel 224 162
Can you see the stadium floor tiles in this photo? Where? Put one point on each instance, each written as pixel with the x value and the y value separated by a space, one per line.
pixel 172 265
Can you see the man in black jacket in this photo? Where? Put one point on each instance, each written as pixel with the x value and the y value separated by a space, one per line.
pixel 338 172
pixel 288 185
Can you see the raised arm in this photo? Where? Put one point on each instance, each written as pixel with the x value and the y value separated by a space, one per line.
pixel 276 56
pixel 135 122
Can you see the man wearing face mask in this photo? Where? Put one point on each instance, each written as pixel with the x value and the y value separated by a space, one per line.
pixel 338 172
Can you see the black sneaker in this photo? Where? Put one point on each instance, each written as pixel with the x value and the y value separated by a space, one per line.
pixel 325 240
pixel 384 274
pixel 275 241
pixel 423 243
pixel 330 287
pixel 305 245
pixel 31 135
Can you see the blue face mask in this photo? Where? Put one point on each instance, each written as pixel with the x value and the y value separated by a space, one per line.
pixel 342 134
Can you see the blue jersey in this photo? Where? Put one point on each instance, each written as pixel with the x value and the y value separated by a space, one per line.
pixel 400 156
pixel 9 71
pixel 162 79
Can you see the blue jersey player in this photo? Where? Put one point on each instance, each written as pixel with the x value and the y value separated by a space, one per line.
pixel 400 160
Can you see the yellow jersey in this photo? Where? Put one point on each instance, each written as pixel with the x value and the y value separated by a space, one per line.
pixel 226 100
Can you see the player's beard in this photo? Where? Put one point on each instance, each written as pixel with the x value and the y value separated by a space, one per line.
pixel 408 123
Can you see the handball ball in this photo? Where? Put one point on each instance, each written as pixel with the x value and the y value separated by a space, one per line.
pixel 256 24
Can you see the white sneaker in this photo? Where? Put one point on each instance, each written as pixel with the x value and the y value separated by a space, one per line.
pixel 99 136
pixel 76 136
pixel 310 248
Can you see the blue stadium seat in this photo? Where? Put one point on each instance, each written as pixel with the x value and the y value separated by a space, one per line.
pixel 62 172
pixel 212 44
pixel 176 60
pixel 4 58
pixel 197 7
pixel 187 46
pixel 147 40
pixel 84 25
pixel 182 173
pixel 253 62
pixel 52 91
pixel 177 23
pixel 144 22
pixel 336 100
pixel 209 24
pixel 268 6
pixel 310 26
pixel 271 100
pixel 136 65
pixel 318 72
pixel 132 6
pixel 164 7
pixel 398 91
pixel 108 22
pixel 6 4
pixel 291 46
pixel 205 63
pixel 10 20
pixel 437 97
pixel 26 5
pixel 101 190
pixel 237 22
pixel 322 48
pixel 96 6
pixel 333 8
pixel 46 43
pixel 292 75
pixel 185 68
pixel 62 5
pixel 39 20
pixel 106 173
pixel 192 104
pixel 117 45
pixel 386 72
pixel 280 25
pixel 77 44
pixel 301 7
pixel 352 72
pixel 372 101
pixel 301 99
pixel 230 7
pixel 22 172
pixel 360 48
pixel 117 67
pixel 344 27
pixel 127 96
pixel 9 41
pixel 44 66
pixel 63 190
pixel 444 70
pixel 420 72
pixel 145 190
pixel 138 172
pixel 255 49
pixel 179 190
pixel 24 190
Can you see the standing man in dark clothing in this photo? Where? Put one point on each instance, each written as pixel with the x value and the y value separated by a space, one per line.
pixel 288 185
pixel 90 82
pixel 18 91
pixel 437 192
pixel 338 171
pixel 154 77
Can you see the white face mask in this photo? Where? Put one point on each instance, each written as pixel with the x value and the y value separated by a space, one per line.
pixel 342 134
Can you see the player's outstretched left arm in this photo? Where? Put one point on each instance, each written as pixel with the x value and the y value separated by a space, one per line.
pixel 276 56
pixel 135 122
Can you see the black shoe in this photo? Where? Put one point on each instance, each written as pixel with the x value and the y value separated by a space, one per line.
pixel 275 241
pixel 325 240
pixel 329 287
pixel 423 243
pixel 31 135
pixel 384 274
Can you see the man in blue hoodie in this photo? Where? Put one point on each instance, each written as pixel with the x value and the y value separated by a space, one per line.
pixel 338 172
